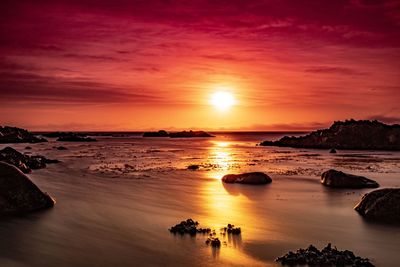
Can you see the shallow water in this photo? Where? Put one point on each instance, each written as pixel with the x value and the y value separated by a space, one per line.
pixel 116 198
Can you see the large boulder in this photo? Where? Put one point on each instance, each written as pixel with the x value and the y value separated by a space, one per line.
pixel 18 193
pixel 338 179
pixel 381 205
pixel 17 135
pixel 253 178
pixel 349 134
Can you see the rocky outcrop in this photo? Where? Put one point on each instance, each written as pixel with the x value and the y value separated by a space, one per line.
pixel 253 178
pixel 24 162
pixel 75 138
pixel 160 133
pixel 18 194
pixel 189 134
pixel 381 205
pixel 328 256
pixel 18 135
pixel 338 179
pixel 350 134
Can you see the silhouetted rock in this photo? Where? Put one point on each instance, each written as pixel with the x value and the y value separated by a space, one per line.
pixel 231 229
pixel 75 138
pixel 185 227
pixel 160 133
pixel 61 148
pixel 332 151
pixel 328 256
pixel 213 241
pixel 18 194
pixel 350 134
pixel 24 162
pixel 381 205
pixel 28 147
pixel 193 167
pixel 18 135
pixel 188 134
pixel 338 179
pixel 253 178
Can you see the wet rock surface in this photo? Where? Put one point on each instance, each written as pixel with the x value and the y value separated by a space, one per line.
pixel 328 256
pixel 17 135
pixel 18 194
pixel 253 178
pixel 24 162
pixel 338 179
pixel 381 205
pixel 349 134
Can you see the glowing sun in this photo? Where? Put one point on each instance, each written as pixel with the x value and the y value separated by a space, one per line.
pixel 222 100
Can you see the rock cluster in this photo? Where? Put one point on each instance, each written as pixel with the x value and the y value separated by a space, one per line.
pixel 188 227
pixel 160 133
pixel 213 241
pixel 253 178
pixel 381 205
pixel 231 229
pixel 338 179
pixel 18 135
pixel 328 256
pixel 350 134
pixel 18 194
pixel 24 162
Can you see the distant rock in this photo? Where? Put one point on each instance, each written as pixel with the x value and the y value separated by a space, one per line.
pixel 332 151
pixel 28 147
pixel 350 134
pixel 75 138
pixel 381 205
pixel 328 256
pixel 253 178
pixel 23 162
pixel 18 135
pixel 61 148
pixel 18 194
pixel 338 179
pixel 160 133
pixel 213 241
pixel 193 167
pixel 188 227
pixel 189 134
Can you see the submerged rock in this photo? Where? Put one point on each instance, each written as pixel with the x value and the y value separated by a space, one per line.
pixel 17 135
pixel 23 162
pixel 350 134
pixel 328 256
pixel 18 193
pixel 338 179
pixel 188 134
pixel 160 133
pixel 253 178
pixel 381 205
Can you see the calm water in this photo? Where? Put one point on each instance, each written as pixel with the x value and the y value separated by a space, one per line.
pixel 116 198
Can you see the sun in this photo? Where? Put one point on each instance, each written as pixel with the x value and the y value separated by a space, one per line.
pixel 222 100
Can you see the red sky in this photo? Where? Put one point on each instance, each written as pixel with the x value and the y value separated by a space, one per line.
pixel 137 65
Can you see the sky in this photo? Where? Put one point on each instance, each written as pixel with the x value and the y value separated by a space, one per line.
pixel 147 65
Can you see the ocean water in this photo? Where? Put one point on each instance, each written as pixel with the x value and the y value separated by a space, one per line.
pixel 116 199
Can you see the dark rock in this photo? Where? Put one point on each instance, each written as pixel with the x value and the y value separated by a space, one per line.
pixel 28 147
pixel 18 135
pixel 160 133
pixel 61 148
pixel 186 227
pixel 381 205
pixel 350 134
pixel 193 167
pixel 75 138
pixel 213 241
pixel 332 151
pixel 328 256
pixel 189 134
pixel 24 162
pixel 338 179
pixel 231 229
pixel 18 193
pixel 253 178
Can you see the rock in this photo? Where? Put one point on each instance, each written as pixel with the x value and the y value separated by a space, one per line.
pixel 61 148
pixel 328 256
pixel 253 178
pixel 231 229
pixel 75 138
pixel 28 147
pixel 24 162
pixel 17 135
pixel 18 194
pixel 381 205
pixel 350 134
pixel 213 241
pixel 185 227
pixel 193 167
pixel 332 151
pixel 338 179
pixel 189 134
pixel 160 133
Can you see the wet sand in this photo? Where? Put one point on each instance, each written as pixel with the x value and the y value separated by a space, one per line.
pixel 110 214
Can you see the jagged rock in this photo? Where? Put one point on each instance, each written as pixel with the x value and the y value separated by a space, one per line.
pixel 381 205
pixel 18 194
pixel 338 179
pixel 17 135
pixel 160 133
pixel 23 162
pixel 188 134
pixel 350 134
pixel 253 178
